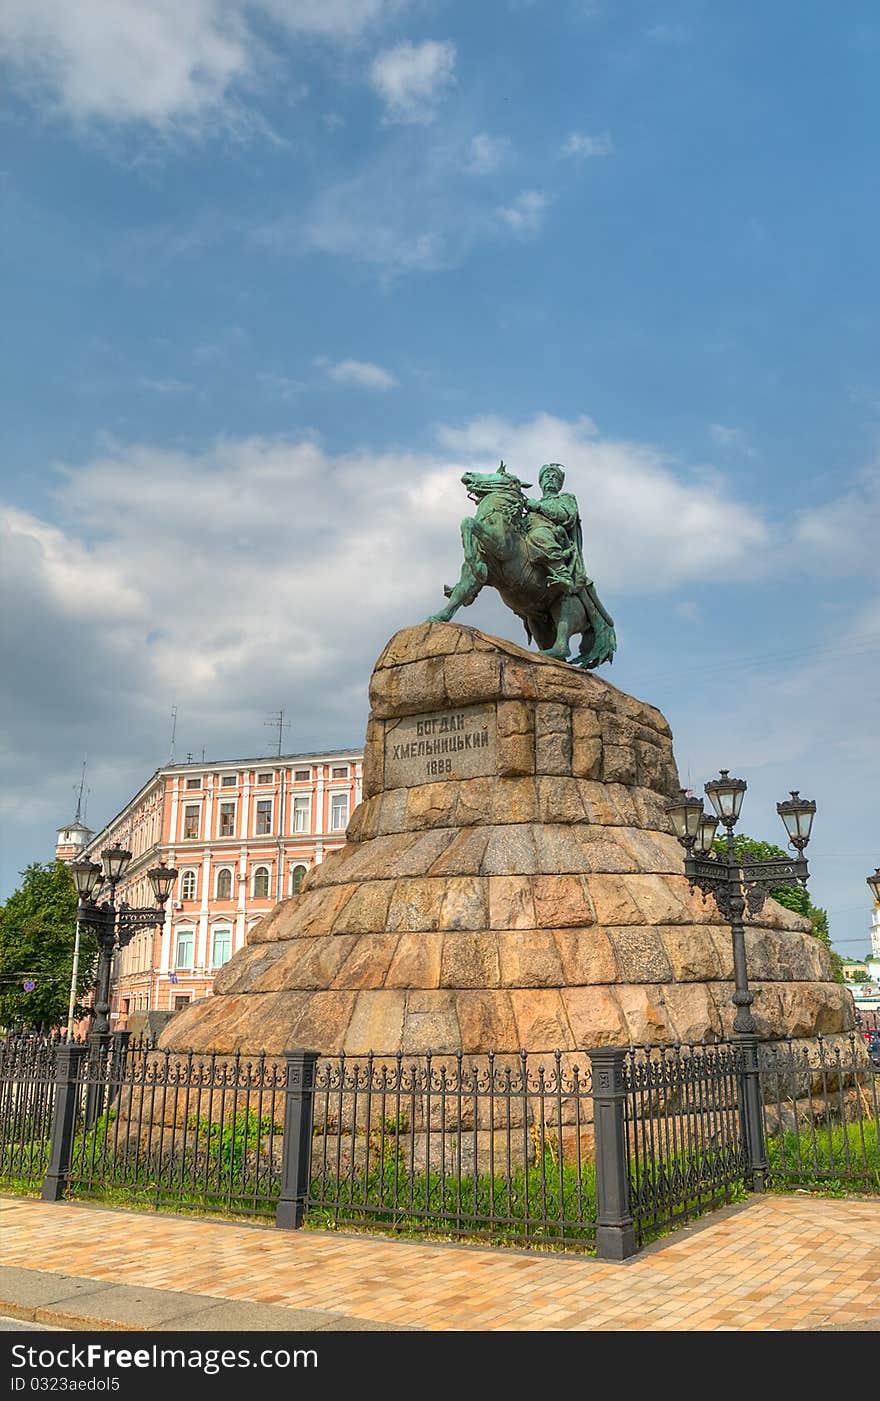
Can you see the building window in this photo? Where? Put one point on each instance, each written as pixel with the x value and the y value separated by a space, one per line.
pixel 302 775
pixel 224 884
pixel 194 782
pixel 227 819
pixel 261 882
pixel 297 877
pixel 264 817
pixel 181 1001
pixel 183 956
pixel 191 821
pixel 338 812
pixel 265 777
pixel 302 813
pixel 221 947
pixel 228 780
pixel 340 772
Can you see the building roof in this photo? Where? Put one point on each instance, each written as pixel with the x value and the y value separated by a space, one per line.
pixel 350 751
pixel 264 761
pixel 74 826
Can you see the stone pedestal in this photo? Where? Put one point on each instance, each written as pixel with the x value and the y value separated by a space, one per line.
pixel 508 881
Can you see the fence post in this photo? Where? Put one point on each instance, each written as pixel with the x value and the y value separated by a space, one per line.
pixel 296 1144
pixel 68 1059
pixel 96 1081
pixel 118 1052
pixel 751 1101
pixel 615 1234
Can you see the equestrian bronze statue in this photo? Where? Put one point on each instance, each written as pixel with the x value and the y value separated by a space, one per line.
pixel 532 553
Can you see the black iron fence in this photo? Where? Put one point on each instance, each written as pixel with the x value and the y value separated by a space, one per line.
pixel 27 1098
pixel 822 1114
pixel 599 1151
pixel 157 1128
pixel 496 1146
pixel 686 1146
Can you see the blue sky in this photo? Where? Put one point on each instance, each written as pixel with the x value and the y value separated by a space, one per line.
pixel 278 272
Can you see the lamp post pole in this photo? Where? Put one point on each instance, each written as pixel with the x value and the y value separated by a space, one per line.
pixel 71 1006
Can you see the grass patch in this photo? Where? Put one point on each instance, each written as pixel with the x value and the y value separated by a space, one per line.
pixel 835 1161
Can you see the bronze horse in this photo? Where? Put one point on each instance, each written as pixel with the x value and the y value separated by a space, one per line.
pixel 498 552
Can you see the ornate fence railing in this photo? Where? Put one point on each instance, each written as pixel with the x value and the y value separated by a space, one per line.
pixel 158 1128
pixel 822 1114
pixel 686 1145
pixel 27 1099
pixel 496 1146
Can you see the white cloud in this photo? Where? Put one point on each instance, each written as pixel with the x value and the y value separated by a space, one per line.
pixel 841 535
pixel 410 78
pixel 486 153
pixel 730 439
pixel 362 373
pixel 411 208
pixel 583 147
pixel 526 214
pixel 162 62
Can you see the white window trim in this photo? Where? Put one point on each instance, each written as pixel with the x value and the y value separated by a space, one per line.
pixel 217 874
pixel 198 835
pixel 346 794
pixel 298 798
pixel 233 803
pixel 184 929
pixel 187 872
pixel 298 866
pixel 221 929
pixel 263 866
pixel 257 801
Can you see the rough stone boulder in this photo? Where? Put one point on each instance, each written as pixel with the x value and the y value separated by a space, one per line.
pixel 508 881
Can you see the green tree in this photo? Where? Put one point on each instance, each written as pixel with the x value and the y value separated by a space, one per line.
pixel 37 930
pixel 793 897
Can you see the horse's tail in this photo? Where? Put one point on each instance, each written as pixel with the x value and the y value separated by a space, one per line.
pixel 601 646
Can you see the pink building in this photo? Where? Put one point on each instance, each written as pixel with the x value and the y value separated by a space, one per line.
pixel 242 836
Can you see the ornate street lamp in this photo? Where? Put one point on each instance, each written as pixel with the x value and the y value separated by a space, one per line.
pixel 797 813
pixel 115 927
pixel 736 884
pixel 685 813
pixel 115 860
pixel 874 883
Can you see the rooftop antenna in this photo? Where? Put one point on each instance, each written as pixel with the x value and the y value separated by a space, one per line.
pixel 173 731
pixel 277 721
pixel 82 794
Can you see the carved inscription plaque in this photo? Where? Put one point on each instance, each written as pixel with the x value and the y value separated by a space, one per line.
pixel 447 744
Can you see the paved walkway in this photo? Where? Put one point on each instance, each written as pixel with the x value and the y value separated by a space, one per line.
pixel 774 1263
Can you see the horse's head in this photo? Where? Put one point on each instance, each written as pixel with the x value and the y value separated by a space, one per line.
pixel 481 484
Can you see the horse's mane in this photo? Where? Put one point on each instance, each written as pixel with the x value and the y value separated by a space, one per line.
pixel 513 502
